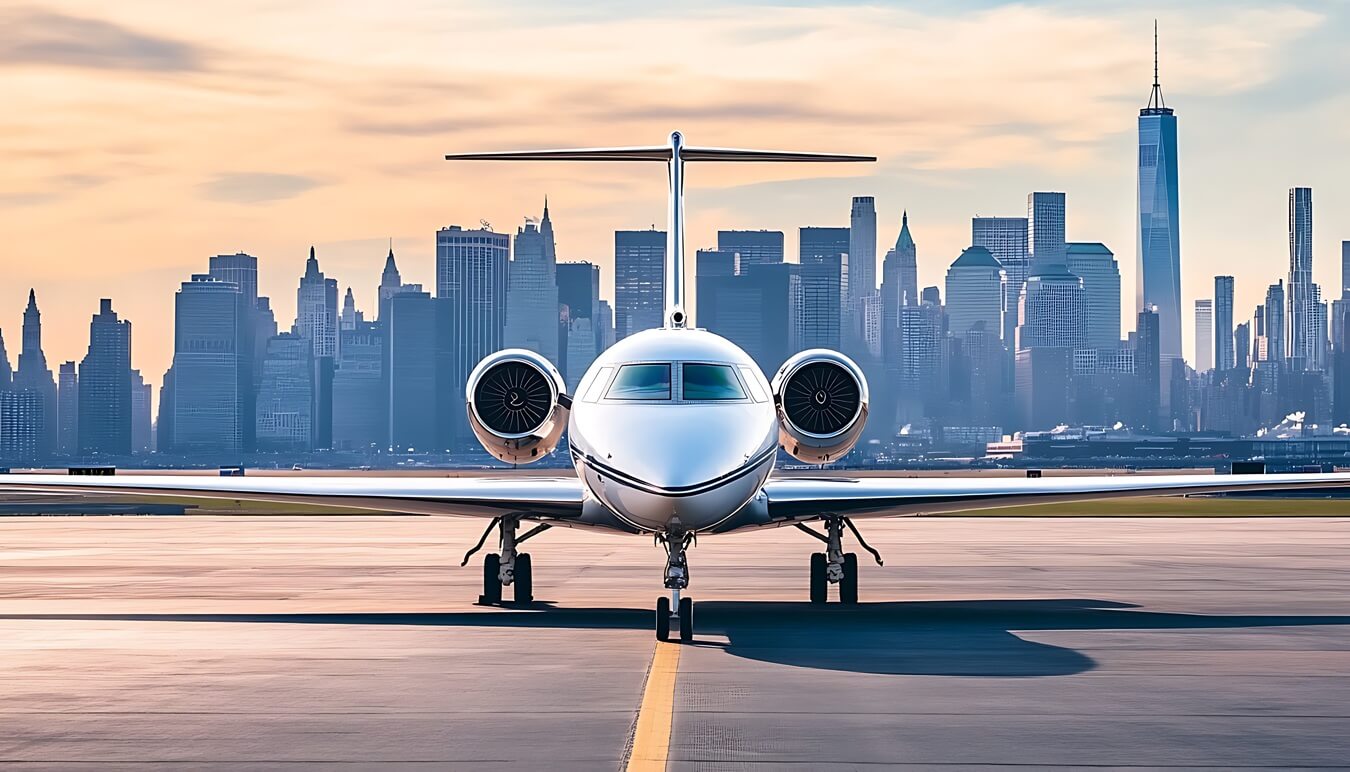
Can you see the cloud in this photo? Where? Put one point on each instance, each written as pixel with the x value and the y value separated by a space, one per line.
pixel 256 187
pixel 34 36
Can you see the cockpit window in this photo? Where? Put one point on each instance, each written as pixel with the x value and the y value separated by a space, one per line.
pixel 650 381
pixel 711 382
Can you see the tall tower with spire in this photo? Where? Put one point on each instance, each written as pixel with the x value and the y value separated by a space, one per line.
pixel 33 374
pixel 532 290
pixel 391 283
pixel 1158 244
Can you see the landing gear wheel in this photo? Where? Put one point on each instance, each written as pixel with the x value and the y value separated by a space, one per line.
pixel 524 584
pixel 492 582
pixel 663 618
pixel 819 583
pixel 848 586
pixel 686 620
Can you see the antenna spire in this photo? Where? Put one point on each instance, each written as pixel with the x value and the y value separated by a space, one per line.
pixel 1155 98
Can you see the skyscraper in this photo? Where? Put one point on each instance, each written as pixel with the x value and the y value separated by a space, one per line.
pixel 862 248
pixel 975 293
pixel 105 385
pixel 471 276
pixel 68 432
pixel 358 387
pixel 286 397
pixel 6 374
pixel 579 296
pixel 1303 295
pixel 639 280
pixel 1274 324
pixel 20 420
pixel 532 291
pixel 1225 357
pixel 1345 270
pixel 1148 369
pixel 1096 266
pixel 1006 240
pixel 823 255
pixel 754 247
pixel 34 375
pixel 1045 229
pixel 316 320
pixel 1159 243
pixel 751 310
pixel 1204 335
pixel 256 325
pixel 906 266
pixel 142 426
pixel 209 370
pixel 1052 309
pixel 1242 345
pixel 410 355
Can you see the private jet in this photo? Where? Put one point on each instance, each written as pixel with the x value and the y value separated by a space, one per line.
pixel 673 433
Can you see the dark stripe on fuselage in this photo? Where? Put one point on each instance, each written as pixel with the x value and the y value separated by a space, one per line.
pixel 684 490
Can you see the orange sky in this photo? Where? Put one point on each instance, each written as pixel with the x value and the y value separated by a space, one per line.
pixel 139 138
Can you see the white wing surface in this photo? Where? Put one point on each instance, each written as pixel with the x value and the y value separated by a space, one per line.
pixel 801 498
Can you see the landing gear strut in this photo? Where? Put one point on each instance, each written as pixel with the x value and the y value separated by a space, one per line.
pixel 834 566
pixel 677 579
pixel 509 567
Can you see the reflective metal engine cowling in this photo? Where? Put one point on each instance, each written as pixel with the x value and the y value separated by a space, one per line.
pixel 821 397
pixel 517 405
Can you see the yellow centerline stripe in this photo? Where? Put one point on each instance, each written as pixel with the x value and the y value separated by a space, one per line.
pixel 651 738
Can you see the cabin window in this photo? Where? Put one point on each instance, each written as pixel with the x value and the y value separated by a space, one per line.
pixel 597 385
pixel 756 390
pixel 711 382
pixel 647 381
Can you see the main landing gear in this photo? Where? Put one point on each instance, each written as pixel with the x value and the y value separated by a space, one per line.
pixel 509 568
pixel 677 579
pixel 834 566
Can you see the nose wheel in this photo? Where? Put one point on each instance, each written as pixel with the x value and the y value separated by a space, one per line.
pixel 834 566
pixel 675 609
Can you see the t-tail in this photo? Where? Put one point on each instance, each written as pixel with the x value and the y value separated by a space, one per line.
pixel 674 155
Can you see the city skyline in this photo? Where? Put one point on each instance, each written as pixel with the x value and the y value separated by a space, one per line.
pixel 955 163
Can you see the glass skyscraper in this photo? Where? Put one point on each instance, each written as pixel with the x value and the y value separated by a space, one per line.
pixel 532 291
pixel 1225 357
pixel 639 280
pixel 1303 296
pixel 1006 240
pixel 105 385
pixel 1096 266
pixel 209 384
pixel 1158 245
pixel 1204 334
pixel 754 247
pixel 471 276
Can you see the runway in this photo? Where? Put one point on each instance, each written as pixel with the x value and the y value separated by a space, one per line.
pixel 352 643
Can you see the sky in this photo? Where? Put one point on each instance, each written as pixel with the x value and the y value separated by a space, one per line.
pixel 138 138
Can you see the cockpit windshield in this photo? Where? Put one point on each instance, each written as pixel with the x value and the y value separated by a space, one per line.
pixel 702 381
pixel 645 381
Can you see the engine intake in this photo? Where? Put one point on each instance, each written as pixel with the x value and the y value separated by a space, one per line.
pixel 517 405
pixel 821 397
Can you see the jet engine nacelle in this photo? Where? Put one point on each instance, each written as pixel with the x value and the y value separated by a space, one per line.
pixel 518 405
pixel 821 396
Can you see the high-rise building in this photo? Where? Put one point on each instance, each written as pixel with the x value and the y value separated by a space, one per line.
pixel 1148 369
pixel 68 432
pixel 348 316
pixel 716 262
pixel 414 399
pixel 20 422
pixel 256 325
pixel 1045 229
pixel 1225 358
pixel 142 438
pixel 1204 334
pixel 1006 239
pixel 471 278
pixel 1052 309
pixel 6 373
pixel 1242 346
pixel 639 280
pixel 752 310
pixel 1159 243
pixel 1345 270
pixel 1303 295
pixel 359 412
pixel 862 248
pixel 1273 324
pixel 34 375
pixel 919 381
pixel 906 267
pixel 241 270
pixel 578 299
pixel 286 396
pixel 754 247
pixel 975 293
pixel 391 284
pixel 209 368
pixel 823 255
pixel 105 385
pixel 532 291
pixel 1096 266
pixel 316 320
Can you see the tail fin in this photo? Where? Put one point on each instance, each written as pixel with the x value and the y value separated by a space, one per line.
pixel 676 154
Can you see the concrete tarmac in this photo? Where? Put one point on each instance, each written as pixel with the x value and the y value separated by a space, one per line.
pixel 352 643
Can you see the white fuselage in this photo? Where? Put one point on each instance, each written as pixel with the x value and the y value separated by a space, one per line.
pixel 680 458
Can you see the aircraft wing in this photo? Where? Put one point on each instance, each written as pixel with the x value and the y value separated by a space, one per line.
pixel 542 498
pixel 803 498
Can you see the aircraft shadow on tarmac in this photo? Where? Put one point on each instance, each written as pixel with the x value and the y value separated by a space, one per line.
pixel 941 638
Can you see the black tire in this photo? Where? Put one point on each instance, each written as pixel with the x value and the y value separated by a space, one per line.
pixel 663 618
pixel 686 620
pixel 492 583
pixel 524 584
pixel 819 584
pixel 848 586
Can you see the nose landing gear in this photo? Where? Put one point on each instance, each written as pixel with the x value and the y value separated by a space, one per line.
pixel 677 579
pixel 834 566
pixel 509 568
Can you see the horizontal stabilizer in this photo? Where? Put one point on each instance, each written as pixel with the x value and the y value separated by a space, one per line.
pixel 654 154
